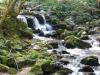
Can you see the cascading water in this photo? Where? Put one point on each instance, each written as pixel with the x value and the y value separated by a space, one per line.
pixel 76 55
pixel 45 28
pixel 95 44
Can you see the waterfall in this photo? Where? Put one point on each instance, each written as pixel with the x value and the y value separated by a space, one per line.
pixel 95 44
pixel 43 28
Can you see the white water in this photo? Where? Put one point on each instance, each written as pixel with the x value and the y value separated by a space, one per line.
pixel 45 28
pixel 80 54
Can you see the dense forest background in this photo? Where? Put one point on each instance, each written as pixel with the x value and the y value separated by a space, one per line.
pixel 72 20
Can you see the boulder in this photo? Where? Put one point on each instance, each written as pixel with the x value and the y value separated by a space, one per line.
pixel 50 68
pixel 64 61
pixel 84 37
pixel 72 42
pixel 27 33
pixel 63 72
pixel 91 61
pixel 86 69
pixel 12 71
pixel 53 44
pixel 41 67
pixel 98 38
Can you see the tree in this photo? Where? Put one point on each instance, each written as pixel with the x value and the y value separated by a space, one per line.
pixel 12 9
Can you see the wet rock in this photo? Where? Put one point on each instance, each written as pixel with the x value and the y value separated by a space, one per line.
pixel 86 69
pixel 63 72
pixel 65 52
pixel 27 33
pixel 54 51
pixel 64 61
pixel 84 37
pixel 91 32
pixel 92 74
pixel 50 68
pixel 58 33
pixel 52 44
pixel 98 39
pixel 91 61
pixel 72 42
pixel 41 66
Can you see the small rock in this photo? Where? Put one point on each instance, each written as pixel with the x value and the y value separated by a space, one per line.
pixel 52 45
pixel 65 52
pixel 64 61
pixel 86 69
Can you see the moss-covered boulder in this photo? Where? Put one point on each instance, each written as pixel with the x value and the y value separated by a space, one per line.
pixel 72 42
pixel 52 45
pixel 12 71
pixel 86 69
pixel 91 61
pixel 37 68
pixel 27 33
pixel 63 72
pixel 22 59
pixel 3 68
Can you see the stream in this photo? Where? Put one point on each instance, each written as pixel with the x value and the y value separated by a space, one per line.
pixel 76 54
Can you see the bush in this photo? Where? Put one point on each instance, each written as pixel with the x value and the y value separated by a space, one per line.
pixel 3 68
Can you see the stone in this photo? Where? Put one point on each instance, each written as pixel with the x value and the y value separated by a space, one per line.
pixel 63 72
pixel 53 44
pixel 65 52
pixel 86 69
pixel 27 33
pixel 73 41
pixel 64 61
pixel 91 61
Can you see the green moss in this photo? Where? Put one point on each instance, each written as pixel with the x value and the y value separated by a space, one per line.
pixel 12 71
pixel 3 52
pixel 36 69
pixel 3 68
pixel 33 54
pixel 27 33
pixel 3 59
pixel 72 42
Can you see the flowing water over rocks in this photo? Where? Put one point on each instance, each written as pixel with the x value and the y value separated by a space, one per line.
pixel 67 57
pixel 76 55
